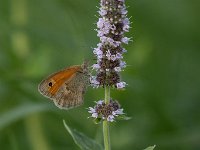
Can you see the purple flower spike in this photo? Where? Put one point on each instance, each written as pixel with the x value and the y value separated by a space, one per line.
pixel 111 26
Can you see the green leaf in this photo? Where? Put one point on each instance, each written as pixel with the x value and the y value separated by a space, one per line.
pixel 150 147
pixel 84 142
pixel 19 112
pixel 97 120
pixel 123 117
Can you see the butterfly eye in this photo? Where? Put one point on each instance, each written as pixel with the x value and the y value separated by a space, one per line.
pixel 50 84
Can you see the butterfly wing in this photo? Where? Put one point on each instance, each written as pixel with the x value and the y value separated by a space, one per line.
pixel 71 93
pixel 65 87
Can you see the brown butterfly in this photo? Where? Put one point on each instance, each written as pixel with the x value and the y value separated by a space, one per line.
pixel 66 87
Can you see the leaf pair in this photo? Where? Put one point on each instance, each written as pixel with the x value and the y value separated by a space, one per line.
pixel 86 143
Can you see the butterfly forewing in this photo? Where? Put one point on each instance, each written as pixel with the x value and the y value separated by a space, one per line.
pixel 66 87
pixel 71 95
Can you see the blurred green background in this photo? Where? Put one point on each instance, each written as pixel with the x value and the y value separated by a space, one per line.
pixel 38 37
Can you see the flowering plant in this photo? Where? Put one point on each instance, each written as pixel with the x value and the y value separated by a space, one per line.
pixel 111 26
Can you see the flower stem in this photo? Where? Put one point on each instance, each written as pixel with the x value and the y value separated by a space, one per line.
pixel 107 94
pixel 106 134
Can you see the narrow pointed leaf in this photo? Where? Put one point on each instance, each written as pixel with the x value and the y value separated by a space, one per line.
pixel 84 142
pixel 123 117
pixel 150 147
pixel 20 112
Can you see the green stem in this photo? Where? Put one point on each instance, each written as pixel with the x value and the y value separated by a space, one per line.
pixel 106 134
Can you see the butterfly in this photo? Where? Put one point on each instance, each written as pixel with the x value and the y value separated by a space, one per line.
pixel 66 87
